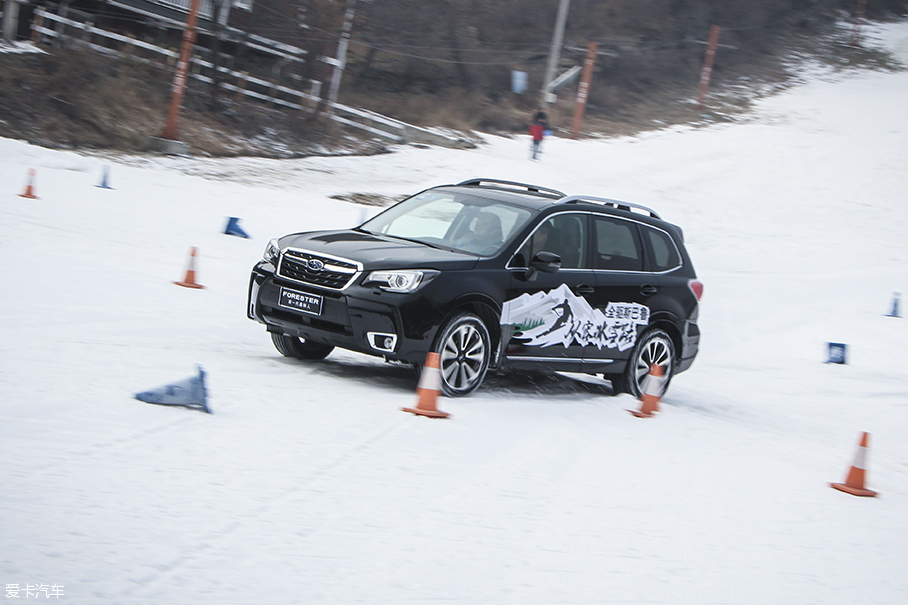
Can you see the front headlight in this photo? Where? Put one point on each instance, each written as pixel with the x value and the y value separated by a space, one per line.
pixel 400 281
pixel 272 251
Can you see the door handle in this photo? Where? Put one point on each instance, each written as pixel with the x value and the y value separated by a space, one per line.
pixel 583 289
pixel 648 290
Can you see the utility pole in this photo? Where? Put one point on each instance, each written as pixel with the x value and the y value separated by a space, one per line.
pixel 179 77
pixel 855 34
pixel 221 14
pixel 10 20
pixel 341 61
pixel 555 52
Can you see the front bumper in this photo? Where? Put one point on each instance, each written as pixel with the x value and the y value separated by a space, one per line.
pixel 358 319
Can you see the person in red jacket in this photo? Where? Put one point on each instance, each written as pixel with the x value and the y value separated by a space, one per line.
pixel 537 131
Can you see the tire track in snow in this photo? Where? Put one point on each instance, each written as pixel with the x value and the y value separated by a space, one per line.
pixel 208 542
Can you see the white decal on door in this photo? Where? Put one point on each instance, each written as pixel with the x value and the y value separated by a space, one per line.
pixel 560 317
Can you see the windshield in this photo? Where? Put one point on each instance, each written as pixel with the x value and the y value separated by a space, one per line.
pixel 452 220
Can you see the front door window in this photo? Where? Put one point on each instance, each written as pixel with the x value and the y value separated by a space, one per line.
pixel 563 234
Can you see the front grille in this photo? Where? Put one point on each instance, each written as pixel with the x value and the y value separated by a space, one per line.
pixel 302 266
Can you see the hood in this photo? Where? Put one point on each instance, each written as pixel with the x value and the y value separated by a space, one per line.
pixel 378 252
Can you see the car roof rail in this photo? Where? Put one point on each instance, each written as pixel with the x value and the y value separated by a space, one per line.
pixel 512 185
pixel 626 206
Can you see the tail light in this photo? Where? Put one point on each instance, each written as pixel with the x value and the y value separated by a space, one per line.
pixel 696 287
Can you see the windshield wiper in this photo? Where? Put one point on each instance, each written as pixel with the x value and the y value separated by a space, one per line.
pixel 416 241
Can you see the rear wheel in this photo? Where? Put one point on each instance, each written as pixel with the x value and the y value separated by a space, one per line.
pixel 292 346
pixel 465 349
pixel 655 347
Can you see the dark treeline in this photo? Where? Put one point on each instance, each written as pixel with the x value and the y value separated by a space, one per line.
pixel 450 63
pixel 416 56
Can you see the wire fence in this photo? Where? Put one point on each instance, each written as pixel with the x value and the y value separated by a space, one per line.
pixel 48 26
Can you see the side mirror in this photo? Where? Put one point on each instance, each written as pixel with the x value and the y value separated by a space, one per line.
pixel 546 262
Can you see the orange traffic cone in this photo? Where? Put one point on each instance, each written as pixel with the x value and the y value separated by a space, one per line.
pixel 30 187
pixel 854 483
pixel 189 281
pixel 428 388
pixel 652 393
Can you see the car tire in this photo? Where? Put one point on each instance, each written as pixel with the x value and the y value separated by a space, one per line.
pixel 654 347
pixel 292 346
pixel 465 349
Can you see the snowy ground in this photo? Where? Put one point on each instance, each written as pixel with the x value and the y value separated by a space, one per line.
pixel 309 485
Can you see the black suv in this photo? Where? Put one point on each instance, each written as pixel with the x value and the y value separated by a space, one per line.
pixel 489 274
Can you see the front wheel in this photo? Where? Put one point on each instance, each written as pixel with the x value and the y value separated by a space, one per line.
pixel 465 350
pixel 292 346
pixel 655 347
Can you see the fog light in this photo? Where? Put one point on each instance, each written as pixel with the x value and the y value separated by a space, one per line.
pixel 381 341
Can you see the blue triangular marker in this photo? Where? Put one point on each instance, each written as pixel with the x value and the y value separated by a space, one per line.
pixel 188 393
pixel 104 179
pixel 233 228
pixel 895 306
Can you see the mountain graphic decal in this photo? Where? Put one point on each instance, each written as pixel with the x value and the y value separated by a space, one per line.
pixel 560 317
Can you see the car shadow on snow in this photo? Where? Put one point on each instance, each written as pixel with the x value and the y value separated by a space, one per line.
pixel 396 377
pixel 541 384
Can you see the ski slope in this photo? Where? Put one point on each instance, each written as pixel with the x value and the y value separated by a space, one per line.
pixel 307 484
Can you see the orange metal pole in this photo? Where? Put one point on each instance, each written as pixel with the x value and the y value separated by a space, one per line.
pixel 583 92
pixel 708 64
pixel 179 77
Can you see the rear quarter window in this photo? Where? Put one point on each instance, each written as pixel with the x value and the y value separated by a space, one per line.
pixel 664 252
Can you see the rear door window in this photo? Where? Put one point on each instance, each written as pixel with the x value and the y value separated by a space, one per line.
pixel 617 245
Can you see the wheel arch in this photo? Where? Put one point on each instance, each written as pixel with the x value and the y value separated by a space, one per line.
pixel 484 307
pixel 667 325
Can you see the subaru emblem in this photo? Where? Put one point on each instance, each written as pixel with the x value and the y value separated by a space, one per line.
pixel 315 264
